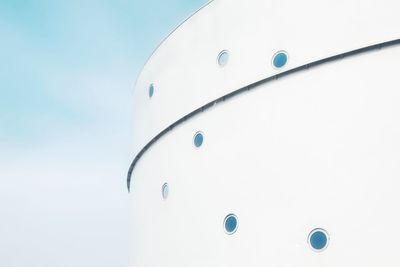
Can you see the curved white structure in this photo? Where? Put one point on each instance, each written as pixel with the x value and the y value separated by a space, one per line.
pixel 267 133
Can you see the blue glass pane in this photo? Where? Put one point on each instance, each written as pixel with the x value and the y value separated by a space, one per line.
pixel 230 224
pixel 318 240
pixel 198 139
pixel 280 60
pixel 151 90
pixel 223 58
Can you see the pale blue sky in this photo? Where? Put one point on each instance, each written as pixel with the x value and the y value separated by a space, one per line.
pixel 67 70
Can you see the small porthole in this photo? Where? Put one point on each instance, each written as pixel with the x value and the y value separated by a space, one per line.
pixel 151 90
pixel 198 139
pixel 318 240
pixel 223 58
pixel 230 224
pixel 165 191
pixel 280 59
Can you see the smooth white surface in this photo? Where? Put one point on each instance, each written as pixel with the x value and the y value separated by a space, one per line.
pixel 184 69
pixel 318 149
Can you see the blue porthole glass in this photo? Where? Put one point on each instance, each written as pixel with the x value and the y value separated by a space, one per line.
pixel 223 58
pixel 198 139
pixel 165 191
pixel 318 240
pixel 230 224
pixel 151 90
pixel 280 59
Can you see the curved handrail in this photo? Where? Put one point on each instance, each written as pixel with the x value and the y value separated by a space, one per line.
pixel 250 87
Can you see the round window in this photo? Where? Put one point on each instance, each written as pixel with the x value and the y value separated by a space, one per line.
pixel 151 90
pixel 230 224
pixel 280 59
pixel 165 191
pixel 318 240
pixel 198 139
pixel 223 58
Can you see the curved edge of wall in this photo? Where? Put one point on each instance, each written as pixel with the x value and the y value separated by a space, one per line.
pixel 184 70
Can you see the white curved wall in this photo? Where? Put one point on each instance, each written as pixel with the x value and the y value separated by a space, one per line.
pixel 184 70
pixel 315 149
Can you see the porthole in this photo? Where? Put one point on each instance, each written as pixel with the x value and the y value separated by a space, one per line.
pixel 280 59
pixel 223 58
pixel 151 90
pixel 318 240
pixel 165 191
pixel 198 139
pixel 230 224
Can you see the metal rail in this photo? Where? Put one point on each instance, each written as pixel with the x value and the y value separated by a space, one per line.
pixel 250 87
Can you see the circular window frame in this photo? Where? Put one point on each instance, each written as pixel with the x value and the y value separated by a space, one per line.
pixel 226 219
pixel 327 240
pixel 165 186
pixel 225 51
pixel 276 54
pixel 151 90
pixel 194 139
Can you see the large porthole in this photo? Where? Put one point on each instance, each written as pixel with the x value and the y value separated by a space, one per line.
pixel 280 59
pixel 230 224
pixel 318 240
